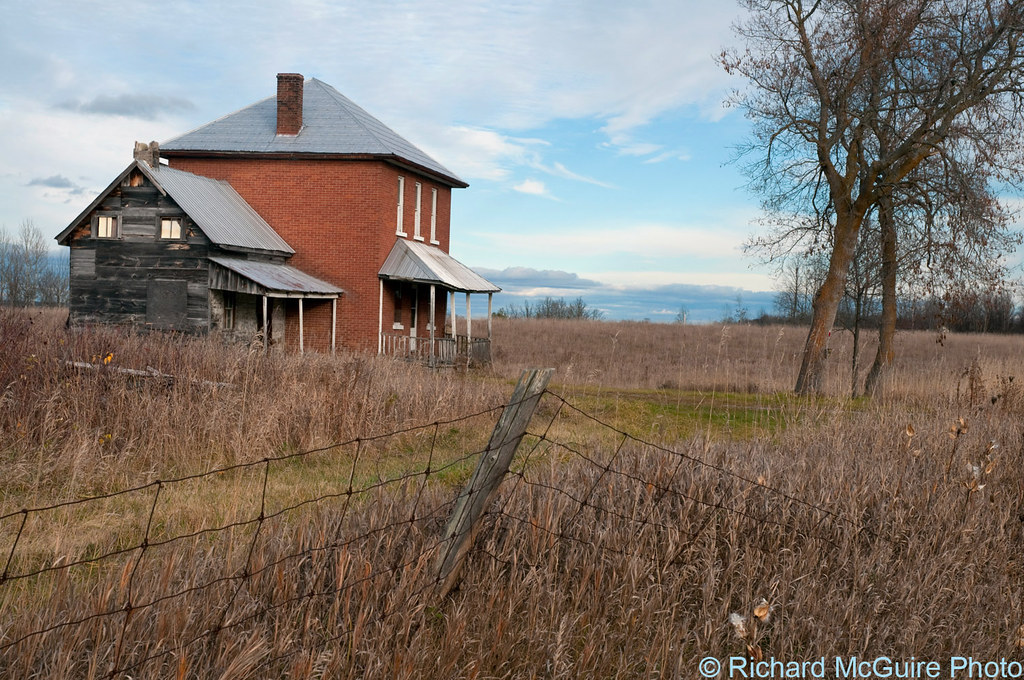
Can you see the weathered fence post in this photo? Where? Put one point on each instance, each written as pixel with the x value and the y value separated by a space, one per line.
pixel 472 502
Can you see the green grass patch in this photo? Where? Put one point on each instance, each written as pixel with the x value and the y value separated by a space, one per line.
pixel 672 415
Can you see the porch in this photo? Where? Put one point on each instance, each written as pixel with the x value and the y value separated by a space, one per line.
pixel 258 298
pixel 445 351
pixel 419 280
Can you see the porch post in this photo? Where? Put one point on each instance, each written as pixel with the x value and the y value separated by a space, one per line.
pixel 490 301
pixel 266 340
pixel 433 302
pixel 302 336
pixel 380 320
pixel 469 332
pixel 455 331
pixel 334 324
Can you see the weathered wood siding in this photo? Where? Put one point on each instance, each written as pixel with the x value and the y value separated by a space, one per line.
pixel 128 279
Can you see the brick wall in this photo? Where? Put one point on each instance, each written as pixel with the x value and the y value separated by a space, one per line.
pixel 340 216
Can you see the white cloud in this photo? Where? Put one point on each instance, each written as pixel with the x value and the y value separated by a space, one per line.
pixel 558 170
pixel 533 187
pixel 477 153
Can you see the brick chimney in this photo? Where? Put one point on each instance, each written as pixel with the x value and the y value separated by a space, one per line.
pixel 289 103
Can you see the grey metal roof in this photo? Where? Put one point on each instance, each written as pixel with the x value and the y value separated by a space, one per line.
pixel 218 210
pixel 278 278
pixel 331 124
pixel 415 261
pixel 214 205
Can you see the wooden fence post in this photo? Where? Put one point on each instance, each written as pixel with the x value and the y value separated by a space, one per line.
pixel 474 499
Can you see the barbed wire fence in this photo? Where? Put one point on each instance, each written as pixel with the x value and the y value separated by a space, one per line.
pixel 373 549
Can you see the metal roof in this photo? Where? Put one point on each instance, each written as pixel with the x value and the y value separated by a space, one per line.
pixel 218 210
pixel 418 262
pixel 331 124
pixel 279 278
pixel 214 205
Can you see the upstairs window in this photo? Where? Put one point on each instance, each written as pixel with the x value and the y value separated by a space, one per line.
pixel 106 226
pixel 433 217
pixel 401 205
pixel 170 228
pixel 416 216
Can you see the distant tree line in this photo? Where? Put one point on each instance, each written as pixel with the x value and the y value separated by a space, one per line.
pixel 30 274
pixel 552 308
pixel 988 308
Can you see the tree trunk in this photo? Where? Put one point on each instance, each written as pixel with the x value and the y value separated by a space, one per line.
pixel 826 304
pixel 887 327
pixel 857 309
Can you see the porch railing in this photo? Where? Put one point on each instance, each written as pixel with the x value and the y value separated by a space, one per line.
pixel 440 351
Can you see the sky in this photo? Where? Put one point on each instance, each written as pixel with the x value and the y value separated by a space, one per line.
pixel 593 134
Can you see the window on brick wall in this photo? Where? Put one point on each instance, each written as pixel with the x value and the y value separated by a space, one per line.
pixel 433 217
pixel 416 215
pixel 397 325
pixel 401 206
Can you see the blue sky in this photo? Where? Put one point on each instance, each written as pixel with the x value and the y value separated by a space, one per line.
pixel 592 134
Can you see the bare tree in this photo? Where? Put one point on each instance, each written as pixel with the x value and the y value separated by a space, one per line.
pixel 29 273
pixel 943 231
pixel 828 77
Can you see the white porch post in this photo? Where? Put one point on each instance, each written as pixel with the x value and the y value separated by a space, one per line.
pixel 490 302
pixel 469 331
pixel 451 306
pixel 266 340
pixel 380 320
pixel 433 303
pixel 302 337
pixel 334 324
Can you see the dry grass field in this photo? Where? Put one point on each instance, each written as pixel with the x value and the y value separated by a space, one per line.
pixel 669 483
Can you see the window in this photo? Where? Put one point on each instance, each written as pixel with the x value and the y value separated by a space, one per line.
pixel 416 215
pixel 398 310
pixel 413 304
pixel 106 226
pixel 229 310
pixel 401 205
pixel 433 217
pixel 170 227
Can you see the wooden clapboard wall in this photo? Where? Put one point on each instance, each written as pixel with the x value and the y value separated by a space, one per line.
pixel 139 278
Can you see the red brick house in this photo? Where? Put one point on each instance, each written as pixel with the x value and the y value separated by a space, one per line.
pixel 301 217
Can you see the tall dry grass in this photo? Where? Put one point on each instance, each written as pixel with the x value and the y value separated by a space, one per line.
pixel 67 432
pixel 744 358
pixel 892 527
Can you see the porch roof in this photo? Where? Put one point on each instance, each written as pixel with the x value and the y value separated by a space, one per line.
pixel 270 278
pixel 420 263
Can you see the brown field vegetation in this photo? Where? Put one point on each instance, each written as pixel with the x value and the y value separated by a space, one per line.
pixel 689 485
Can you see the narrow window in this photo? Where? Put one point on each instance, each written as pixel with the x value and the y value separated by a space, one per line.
pixel 106 226
pixel 401 205
pixel 170 228
pixel 433 217
pixel 416 216
pixel 398 309
pixel 229 310
pixel 413 304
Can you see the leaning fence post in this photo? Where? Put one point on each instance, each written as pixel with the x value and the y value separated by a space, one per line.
pixel 490 470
